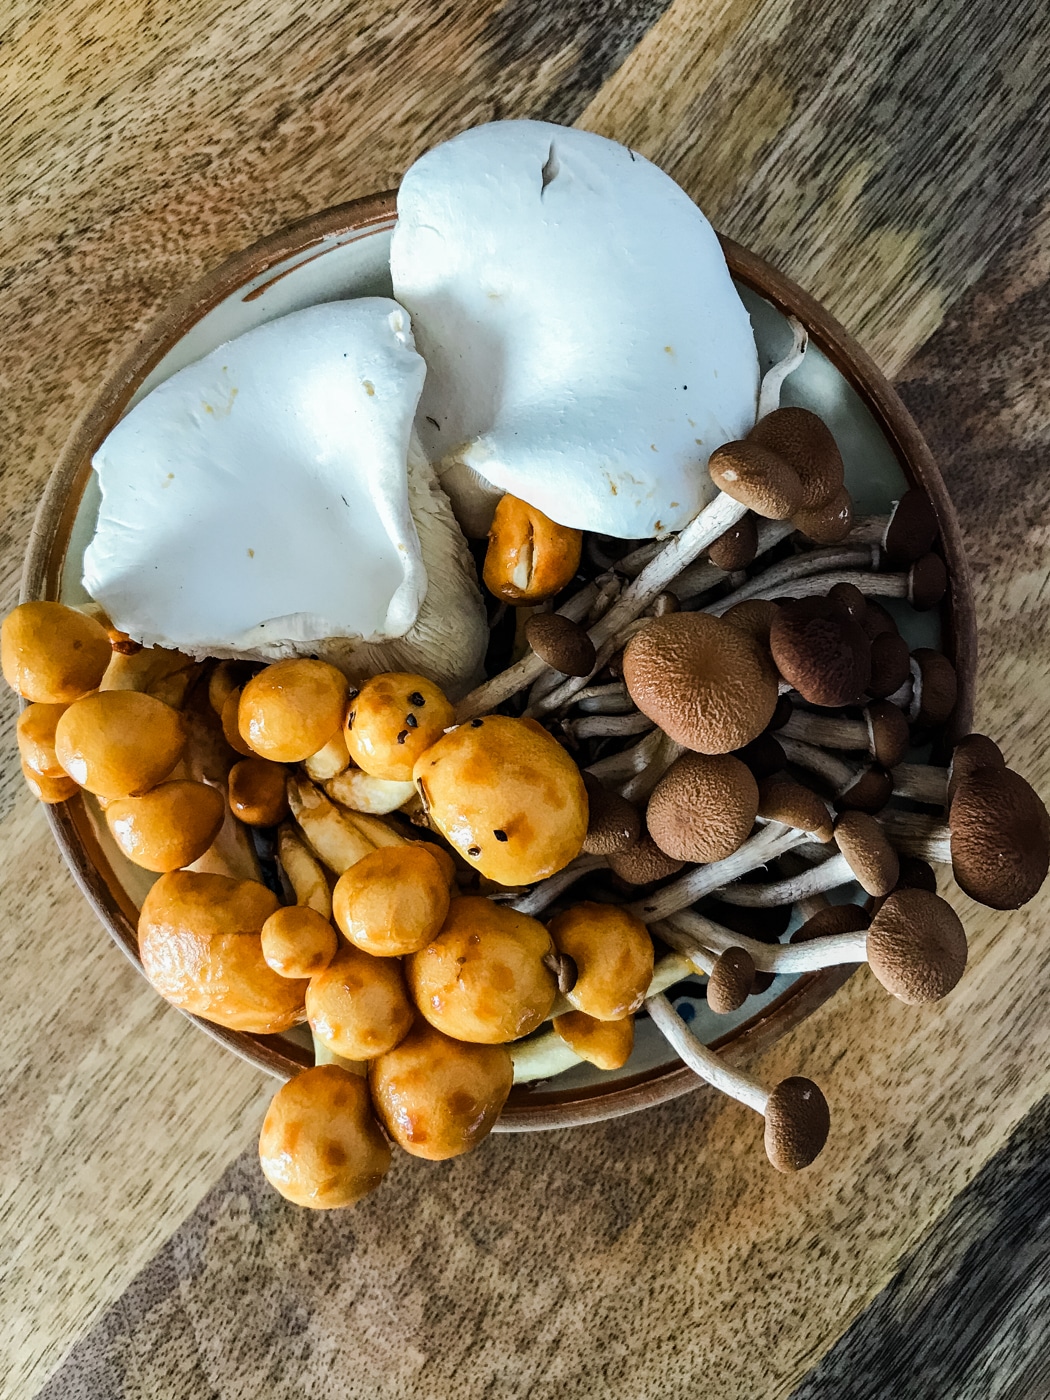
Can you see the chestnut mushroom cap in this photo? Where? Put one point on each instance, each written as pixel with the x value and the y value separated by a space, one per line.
pixel 643 863
pixel 912 528
pixel 168 827
pixel 870 792
pixel 754 616
pixel 561 643
pixel 890 664
pixel 707 684
pixel 927 582
pixel 731 981
pixel 865 846
pixel 888 733
pixel 613 956
pixel 613 823
pixel 821 651
pixel 703 808
pixel 916 946
pixel 797 1124
pixel 1000 838
pixel 757 478
pixel 51 653
pixel 972 751
pixel 782 799
pixel 806 443
pixel 935 687
pixel 827 523
pixel 737 547
pixel 118 743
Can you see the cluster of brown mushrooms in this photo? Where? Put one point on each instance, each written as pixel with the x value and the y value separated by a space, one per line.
pixel 681 744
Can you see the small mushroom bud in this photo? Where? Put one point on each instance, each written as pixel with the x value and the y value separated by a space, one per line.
pixel 865 855
pixel 703 808
pixel 882 731
pixel 927 582
pixel 737 547
pixel 849 596
pixel 821 651
pixel 973 751
pixel 928 697
pixel 117 743
pixel 258 792
pixel 168 827
pixel 561 643
pixel 357 1006
pixel 613 954
pixel 604 1044
pixel 529 558
pixel 291 709
pixel 806 442
pixel 36 744
pixel 298 942
pixel 876 621
pixel 49 790
pixel 320 1147
pixel 613 823
pixel 757 478
pixel 52 654
pixel 907 533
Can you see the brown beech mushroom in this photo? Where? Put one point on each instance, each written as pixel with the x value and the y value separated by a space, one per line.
pixel 828 523
pixel 923 585
pixel 643 863
pixel 862 789
pixel 795 1110
pixel 357 1005
pixel 821 651
pixel 781 799
pixel 737 548
pixel 754 616
pixel 52 654
pixel 882 731
pixel 805 441
pixel 117 743
pixel 703 807
pixel 563 644
pixel 604 1044
pixel 707 684
pixel 320 1146
pixel 297 941
pixel 201 948
pixel 291 709
pixel 613 824
pixel 168 827
pixel 890 664
pixel 997 837
pixel 907 533
pixel 924 782
pixel 756 478
pixel 438 1097
pixel 529 558
pixel 928 696
pixel 864 855
pixel 730 981
pixel 613 955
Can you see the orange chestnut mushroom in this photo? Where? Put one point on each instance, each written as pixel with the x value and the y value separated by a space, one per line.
pixel 357 1007
pixel 298 942
pixel 393 719
pixel 117 743
pixel 393 901
pixel 529 558
pixel 613 955
pixel 604 1044
pixel 52 653
pixel 168 827
pixel 291 709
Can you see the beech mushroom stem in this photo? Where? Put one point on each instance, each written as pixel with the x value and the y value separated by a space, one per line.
pixel 828 875
pixel 870 584
pixel 609 699
pixel 835 771
pixel 641 785
pixel 618 767
pixel 922 782
pixel 606 726
pixel 775 580
pixel 698 578
pixel 918 835
pixel 836 950
pixel 702 1061
pixel 773 379
pixel 547 891
pixel 830 731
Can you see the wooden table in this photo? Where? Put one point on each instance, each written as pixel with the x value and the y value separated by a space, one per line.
pixel 894 159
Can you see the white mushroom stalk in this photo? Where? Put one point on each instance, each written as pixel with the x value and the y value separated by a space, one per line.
pixel 619 767
pixel 547 891
pixel 921 782
pixel 839 774
pixel 773 380
pixel 815 564
pixel 699 578
pixel 641 785
pixel 688 932
pixel 607 726
pixel 829 874
pixel 611 699
pixel 702 1061
pixel 918 835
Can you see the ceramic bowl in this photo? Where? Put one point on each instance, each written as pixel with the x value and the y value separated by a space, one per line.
pixel 343 252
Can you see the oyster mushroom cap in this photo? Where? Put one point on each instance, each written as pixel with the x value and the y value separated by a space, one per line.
pixel 917 946
pixel 579 326
pixel 703 808
pixel 1000 838
pixel 707 684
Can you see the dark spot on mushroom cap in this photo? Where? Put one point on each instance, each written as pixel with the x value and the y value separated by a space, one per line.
pixel 416 699
pixel 870 792
pixel 938 686
pixel 827 523
pixel 476 723
pixel 643 863
pixel 917 946
pixel 703 808
pixel 731 980
pixel 888 733
pixel 708 685
pixel 890 664
pixel 781 799
pixel 797 1124
pixel 561 643
pixel 927 582
pixel 912 529
pixel 613 823
pixel 871 857
pixel 835 919
pixel 761 480
pixel 737 547
pixel 804 440
pixel 763 755
pixel 973 751
pixel 411 721
pixel 877 620
pixel 1000 838
pixel 500 835
pixel 821 651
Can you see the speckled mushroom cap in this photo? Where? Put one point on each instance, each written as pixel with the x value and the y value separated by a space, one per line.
pixel 806 443
pixel 560 642
pixel 912 528
pixel 917 946
pixel 707 684
pixel 827 523
pixel 730 981
pixel 643 862
pixel 1000 838
pixel 927 582
pixel 797 1124
pixel 703 808
pixel 835 919
pixel 821 651
pixel 888 733
pixel 871 857
pixel 972 751
pixel 781 799
pixel 761 480
pixel 937 689
pixel 613 823
pixel 737 547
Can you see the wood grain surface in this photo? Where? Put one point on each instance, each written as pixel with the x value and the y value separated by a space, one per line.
pixel 893 159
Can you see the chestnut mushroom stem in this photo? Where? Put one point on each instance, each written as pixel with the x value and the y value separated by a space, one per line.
pixel 611 699
pixel 773 379
pixel 606 726
pixel 773 581
pixel 921 782
pixel 830 874
pixel 618 767
pixel 882 732
pixel 547 891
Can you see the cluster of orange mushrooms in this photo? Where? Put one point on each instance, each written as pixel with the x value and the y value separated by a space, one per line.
pixel 680 745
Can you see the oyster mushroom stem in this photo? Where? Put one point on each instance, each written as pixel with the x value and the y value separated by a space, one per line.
pixel 604 726
pixel 795 1111
pixel 923 586
pixel 770 841
pixel 864 855
pixel 773 379
pixel 547 891
pixel 772 581
pixel 882 732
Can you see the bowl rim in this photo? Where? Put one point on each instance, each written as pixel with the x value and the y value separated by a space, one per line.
pixel 49 538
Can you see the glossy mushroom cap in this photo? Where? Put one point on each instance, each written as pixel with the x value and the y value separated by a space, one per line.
pixel 36 741
pixel 821 651
pixel 117 743
pixel 297 941
pixel 392 901
pixel 562 643
pixel 706 683
pixel 292 708
pixel 604 1044
pixel 1000 838
pixel 806 443
pixel 797 1124
pixel 643 863
pixel 168 827
pixel 737 547
pixel 613 823
pixel 937 688
pixel 730 981
pixel 51 653
pixel 972 751
pixel 888 733
pixel 358 1006
pixel 781 799
pixel 200 944
pixel 917 946
pixel 529 556
pixel 912 529
pixel 320 1147
pixel 393 719
pixel 757 478
pixel 613 953
pixel 872 859
pixel 835 919
pixel 438 1097
pixel 258 792
pixel 703 808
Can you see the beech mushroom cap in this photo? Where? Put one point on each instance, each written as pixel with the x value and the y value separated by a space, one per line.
pixel 757 478
pixel 730 981
pixel 927 582
pixel 708 685
pixel 1000 838
pixel 916 874
pixel 754 616
pixel 917 946
pixel 781 799
pixel 870 792
pixel 871 857
pixel 912 528
pixel 937 690
pixel 821 651
pixel 972 751
pixel 737 547
pixel 560 642
pixel 890 664
pixel 764 755
pixel 797 1124
pixel 877 620
pixel 643 863
pixel 806 442
pixel 827 523
pixel 835 919
pixel 849 596
pixel 613 823
pixel 703 808
pixel 888 733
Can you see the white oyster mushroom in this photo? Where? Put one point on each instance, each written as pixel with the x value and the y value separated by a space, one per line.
pixel 586 349
pixel 269 501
